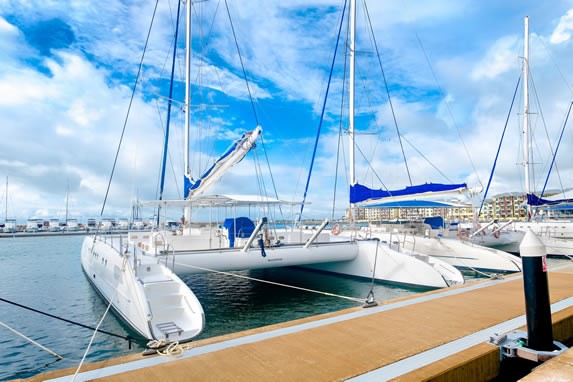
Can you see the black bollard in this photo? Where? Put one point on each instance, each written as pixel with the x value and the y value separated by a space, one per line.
pixel 537 304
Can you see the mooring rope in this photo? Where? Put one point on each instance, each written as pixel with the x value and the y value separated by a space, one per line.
pixel 360 300
pixel 93 337
pixel 127 338
pixel 31 341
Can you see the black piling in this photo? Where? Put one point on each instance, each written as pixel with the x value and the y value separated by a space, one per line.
pixel 537 303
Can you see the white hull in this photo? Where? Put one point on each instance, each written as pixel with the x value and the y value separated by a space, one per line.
pixel 140 278
pixel 556 235
pixel 341 255
pixel 388 264
pixel 507 241
pixel 145 294
pixel 458 253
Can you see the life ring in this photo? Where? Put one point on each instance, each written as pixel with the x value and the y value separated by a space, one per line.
pixel 482 232
pixel 462 234
pixel 496 234
pixel 336 229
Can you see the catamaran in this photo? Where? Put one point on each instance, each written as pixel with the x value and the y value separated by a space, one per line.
pixel 138 273
pixel 462 254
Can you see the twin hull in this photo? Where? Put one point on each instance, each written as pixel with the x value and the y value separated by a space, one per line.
pixel 146 293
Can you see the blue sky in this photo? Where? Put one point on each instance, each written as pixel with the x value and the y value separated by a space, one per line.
pixel 67 69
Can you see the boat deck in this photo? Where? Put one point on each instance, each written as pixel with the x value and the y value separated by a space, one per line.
pixel 439 335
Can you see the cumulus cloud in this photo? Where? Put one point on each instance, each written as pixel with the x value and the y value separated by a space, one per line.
pixel 500 58
pixel 63 108
pixel 562 31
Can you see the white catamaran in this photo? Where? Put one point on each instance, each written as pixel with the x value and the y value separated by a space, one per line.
pixel 416 236
pixel 557 236
pixel 138 273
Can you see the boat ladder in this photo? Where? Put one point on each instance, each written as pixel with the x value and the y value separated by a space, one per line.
pixel 168 328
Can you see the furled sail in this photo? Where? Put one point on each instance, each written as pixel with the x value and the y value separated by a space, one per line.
pixel 234 154
pixel 534 200
pixel 363 194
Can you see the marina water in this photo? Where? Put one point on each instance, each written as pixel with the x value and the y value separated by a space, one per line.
pixel 44 273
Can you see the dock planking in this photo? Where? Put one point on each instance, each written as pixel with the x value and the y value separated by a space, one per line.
pixel 362 344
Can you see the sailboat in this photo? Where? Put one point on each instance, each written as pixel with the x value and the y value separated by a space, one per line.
pixel 460 253
pixel 556 235
pixel 138 273
pixel 9 223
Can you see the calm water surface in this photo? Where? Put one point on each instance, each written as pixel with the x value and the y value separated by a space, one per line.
pixel 45 273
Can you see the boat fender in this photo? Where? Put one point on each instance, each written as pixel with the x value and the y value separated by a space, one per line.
pixel 336 229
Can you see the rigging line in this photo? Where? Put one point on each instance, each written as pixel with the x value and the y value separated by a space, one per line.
pixel 557 148
pixel 31 341
pixel 242 64
pixel 387 92
pixel 275 283
pixel 449 110
pixel 271 174
pixel 556 66
pixel 427 160
pixel 499 146
pixel 373 171
pixel 127 338
pixel 323 111
pixel 553 153
pixel 129 107
pixel 166 143
pixel 340 130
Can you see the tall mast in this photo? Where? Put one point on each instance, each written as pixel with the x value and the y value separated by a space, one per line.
pixel 187 87
pixel 6 217
pixel 187 209
pixel 526 111
pixel 351 94
pixel 67 202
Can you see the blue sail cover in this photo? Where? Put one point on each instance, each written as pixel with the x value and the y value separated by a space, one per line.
pixel 360 193
pixel 534 200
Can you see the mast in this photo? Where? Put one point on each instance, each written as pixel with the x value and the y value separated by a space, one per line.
pixel 351 101
pixel 187 86
pixel 67 203
pixel 351 94
pixel 6 211
pixel 187 112
pixel 526 112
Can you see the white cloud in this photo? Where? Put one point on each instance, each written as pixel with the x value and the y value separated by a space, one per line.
pixel 562 31
pixel 500 58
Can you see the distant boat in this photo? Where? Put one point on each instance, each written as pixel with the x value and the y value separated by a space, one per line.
pixel 33 225
pixel 72 225
pixel 54 225
pixel 10 225
pixel 122 224
pixel 556 235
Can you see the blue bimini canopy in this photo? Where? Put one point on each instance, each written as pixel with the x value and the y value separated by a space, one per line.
pixel 360 193
pixel 241 227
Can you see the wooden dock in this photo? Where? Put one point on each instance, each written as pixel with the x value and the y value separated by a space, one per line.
pixel 440 335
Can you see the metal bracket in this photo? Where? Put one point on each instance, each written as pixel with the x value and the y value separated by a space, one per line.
pixel 513 345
